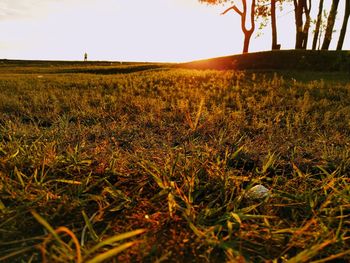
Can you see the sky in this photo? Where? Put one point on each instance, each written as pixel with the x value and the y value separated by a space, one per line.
pixel 132 30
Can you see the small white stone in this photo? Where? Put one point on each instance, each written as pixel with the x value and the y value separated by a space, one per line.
pixel 257 192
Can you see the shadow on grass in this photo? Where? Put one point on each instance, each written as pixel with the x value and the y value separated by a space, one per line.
pixel 110 70
pixel 71 67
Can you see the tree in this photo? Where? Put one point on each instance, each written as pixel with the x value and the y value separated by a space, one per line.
pixel 318 24
pixel 298 12
pixel 264 10
pixel 344 26
pixel 274 25
pixel 302 7
pixel 305 35
pixel 243 14
pixel 330 25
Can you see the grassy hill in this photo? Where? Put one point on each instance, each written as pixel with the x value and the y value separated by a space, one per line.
pixel 279 60
pixel 300 60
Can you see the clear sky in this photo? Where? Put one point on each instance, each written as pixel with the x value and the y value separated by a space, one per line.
pixel 131 30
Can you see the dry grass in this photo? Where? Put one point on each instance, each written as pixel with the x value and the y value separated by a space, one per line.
pixel 153 166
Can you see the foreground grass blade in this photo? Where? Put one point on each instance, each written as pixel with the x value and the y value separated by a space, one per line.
pixel 74 239
pixel 307 254
pixel 111 253
pixel 2 206
pixel 116 238
pixel 156 178
pixel 15 253
pixel 48 227
pixel 90 227
pixel 332 257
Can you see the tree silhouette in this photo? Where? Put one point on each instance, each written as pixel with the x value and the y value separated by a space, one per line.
pixel 305 35
pixel 267 9
pixel 301 8
pixel 274 25
pixel 344 26
pixel 318 25
pixel 330 25
pixel 243 14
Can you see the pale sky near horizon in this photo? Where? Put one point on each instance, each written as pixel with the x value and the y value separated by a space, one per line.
pixel 132 30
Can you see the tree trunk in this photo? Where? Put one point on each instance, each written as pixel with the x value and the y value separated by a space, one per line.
pixel 248 32
pixel 247 36
pixel 298 10
pixel 344 26
pixel 318 25
pixel 307 8
pixel 274 25
pixel 330 25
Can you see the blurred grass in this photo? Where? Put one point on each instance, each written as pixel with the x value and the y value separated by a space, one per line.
pixel 172 152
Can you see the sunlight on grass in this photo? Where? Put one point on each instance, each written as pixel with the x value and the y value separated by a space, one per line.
pixel 137 163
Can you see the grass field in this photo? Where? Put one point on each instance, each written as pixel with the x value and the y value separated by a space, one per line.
pixel 151 163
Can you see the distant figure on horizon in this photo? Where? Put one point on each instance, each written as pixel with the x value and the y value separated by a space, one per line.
pixel 85 56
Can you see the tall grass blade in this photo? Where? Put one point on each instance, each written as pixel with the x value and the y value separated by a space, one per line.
pixel 48 227
pixel 111 253
pixel 90 227
pixel 307 254
pixel 236 153
pixel 199 113
pixel 15 253
pixel 332 257
pixel 156 178
pixel 74 239
pixel 2 206
pixel 111 240
pixel 19 176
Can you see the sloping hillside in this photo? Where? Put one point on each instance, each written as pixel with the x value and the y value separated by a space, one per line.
pixel 282 60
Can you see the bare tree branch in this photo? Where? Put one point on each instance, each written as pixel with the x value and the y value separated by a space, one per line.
pixel 235 8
